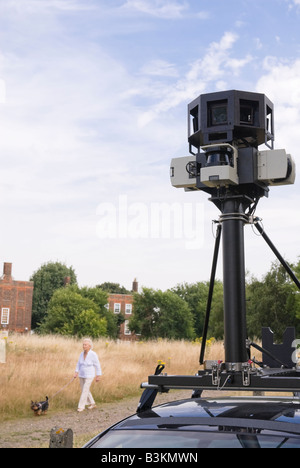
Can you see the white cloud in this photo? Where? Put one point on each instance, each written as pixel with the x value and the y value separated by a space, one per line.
pixel 203 15
pixel 70 5
pixel 59 124
pixel 282 79
pixel 281 84
pixel 160 68
pixel 38 5
pixel 218 60
pixel 69 115
pixel 216 64
pixel 165 9
pixel 293 4
pixel 258 43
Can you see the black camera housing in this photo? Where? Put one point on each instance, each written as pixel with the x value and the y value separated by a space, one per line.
pixel 243 118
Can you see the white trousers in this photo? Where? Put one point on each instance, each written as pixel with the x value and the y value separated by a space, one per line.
pixel 86 396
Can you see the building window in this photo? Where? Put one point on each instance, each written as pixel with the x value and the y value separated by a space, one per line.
pixel 117 308
pixel 128 308
pixel 5 316
pixel 126 328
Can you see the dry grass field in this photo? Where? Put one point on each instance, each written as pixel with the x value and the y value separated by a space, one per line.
pixel 37 366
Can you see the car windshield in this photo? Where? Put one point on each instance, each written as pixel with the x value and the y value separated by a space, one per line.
pixel 193 439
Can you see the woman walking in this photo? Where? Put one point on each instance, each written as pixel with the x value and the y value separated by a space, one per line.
pixel 87 368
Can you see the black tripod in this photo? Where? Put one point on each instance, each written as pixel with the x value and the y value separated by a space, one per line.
pixel 238 372
pixel 231 225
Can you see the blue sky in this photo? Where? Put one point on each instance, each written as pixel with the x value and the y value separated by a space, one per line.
pixel 93 104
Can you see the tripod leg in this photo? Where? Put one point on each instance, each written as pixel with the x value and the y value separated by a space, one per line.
pixel 277 253
pixel 211 291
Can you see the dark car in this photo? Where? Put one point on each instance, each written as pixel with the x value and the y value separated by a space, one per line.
pixel 243 422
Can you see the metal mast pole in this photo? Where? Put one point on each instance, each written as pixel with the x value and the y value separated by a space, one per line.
pixel 233 219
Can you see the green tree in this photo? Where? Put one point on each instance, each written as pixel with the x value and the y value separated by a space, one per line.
pixel 68 311
pixel 113 288
pixel 144 316
pixel 272 303
pixel 196 296
pixel 216 324
pixel 87 323
pixel 159 314
pixel 47 279
pixel 100 298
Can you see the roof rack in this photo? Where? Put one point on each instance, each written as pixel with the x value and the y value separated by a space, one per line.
pixel 218 378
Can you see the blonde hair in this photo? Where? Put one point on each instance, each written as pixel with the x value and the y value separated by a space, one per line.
pixel 89 341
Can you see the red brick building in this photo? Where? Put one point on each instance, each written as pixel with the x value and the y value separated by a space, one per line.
pixel 15 302
pixel 123 304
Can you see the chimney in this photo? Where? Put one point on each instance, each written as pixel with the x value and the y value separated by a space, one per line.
pixel 135 285
pixel 7 269
pixel 67 281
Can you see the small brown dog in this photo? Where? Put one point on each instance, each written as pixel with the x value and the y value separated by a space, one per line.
pixel 40 407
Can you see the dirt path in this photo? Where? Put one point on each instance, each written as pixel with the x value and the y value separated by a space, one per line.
pixel 35 432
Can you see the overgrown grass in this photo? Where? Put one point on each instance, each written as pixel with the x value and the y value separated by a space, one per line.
pixel 37 366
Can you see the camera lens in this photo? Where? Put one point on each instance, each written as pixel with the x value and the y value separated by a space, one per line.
pixel 247 115
pixel 218 113
pixel 219 158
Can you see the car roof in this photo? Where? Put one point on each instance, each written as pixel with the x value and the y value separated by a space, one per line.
pixel 274 414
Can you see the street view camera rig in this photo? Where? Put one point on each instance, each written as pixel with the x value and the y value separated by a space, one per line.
pixel 225 130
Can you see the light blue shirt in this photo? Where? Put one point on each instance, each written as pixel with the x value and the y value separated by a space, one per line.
pixel 89 367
